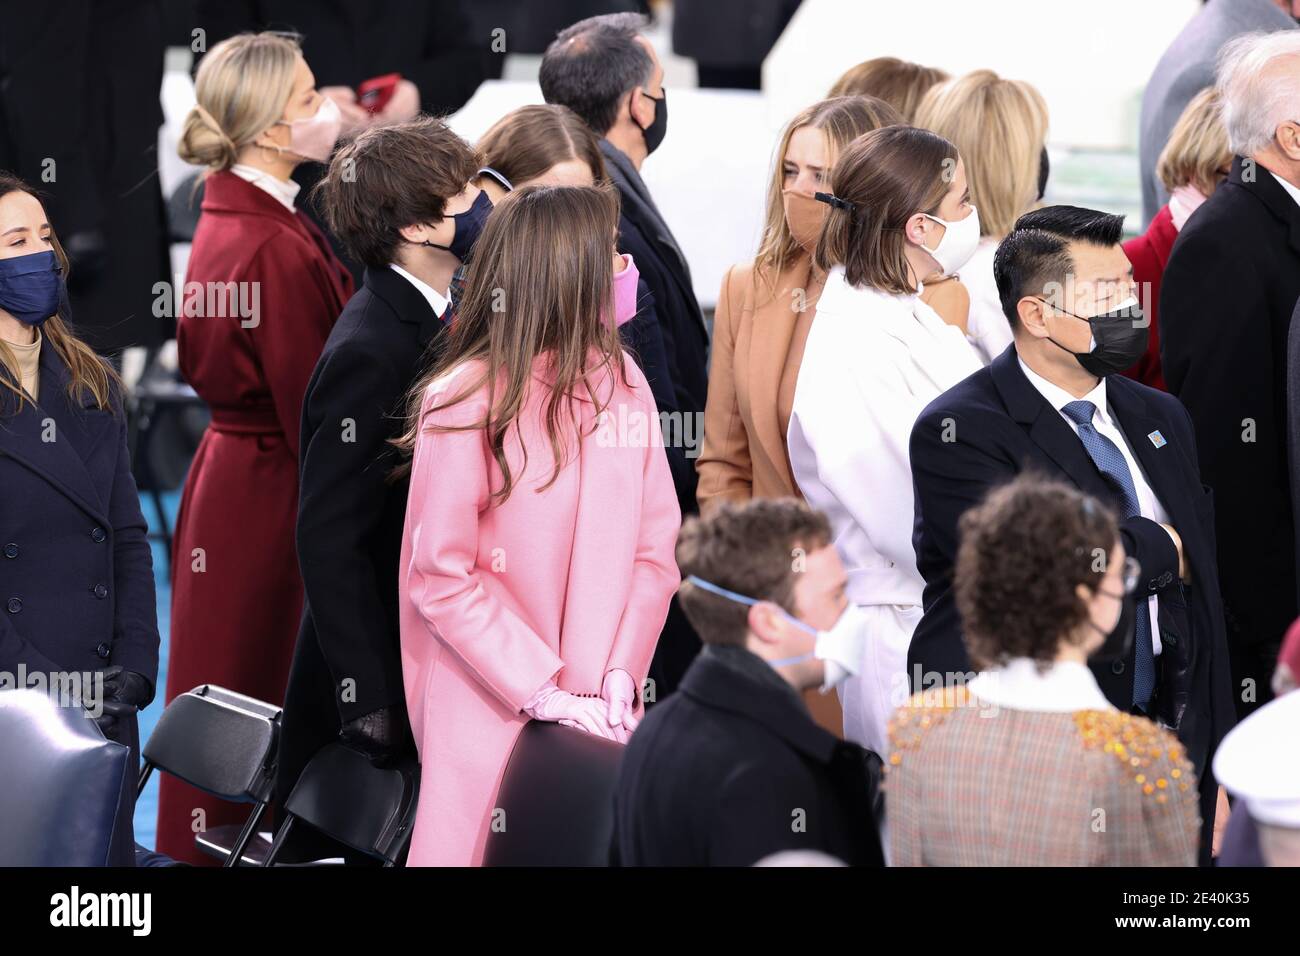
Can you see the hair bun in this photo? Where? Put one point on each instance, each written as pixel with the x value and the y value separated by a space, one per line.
pixel 204 143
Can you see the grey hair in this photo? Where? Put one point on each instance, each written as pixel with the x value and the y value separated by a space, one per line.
pixel 1253 103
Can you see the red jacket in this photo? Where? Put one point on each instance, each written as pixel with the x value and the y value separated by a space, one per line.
pixel 236 590
pixel 1148 253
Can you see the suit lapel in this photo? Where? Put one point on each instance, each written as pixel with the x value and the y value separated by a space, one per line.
pixel 56 438
pixel 771 329
pixel 1160 465
pixel 1045 426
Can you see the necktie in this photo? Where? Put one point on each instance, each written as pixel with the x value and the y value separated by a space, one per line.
pixel 1111 463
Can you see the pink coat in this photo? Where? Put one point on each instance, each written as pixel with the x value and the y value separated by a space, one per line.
pixel 497 599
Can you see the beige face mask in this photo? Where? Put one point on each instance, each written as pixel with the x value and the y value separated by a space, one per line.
pixel 805 217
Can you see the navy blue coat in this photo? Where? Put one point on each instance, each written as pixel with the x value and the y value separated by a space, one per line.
pixel 76 570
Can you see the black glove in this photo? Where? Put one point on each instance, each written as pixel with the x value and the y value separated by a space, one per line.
pixel 381 735
pixel 125 693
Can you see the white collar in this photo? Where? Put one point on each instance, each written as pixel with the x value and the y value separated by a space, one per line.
pixel 1058 397
pixel 283 192
pixel 1291 190
pixel 1064 687
pixel 438 301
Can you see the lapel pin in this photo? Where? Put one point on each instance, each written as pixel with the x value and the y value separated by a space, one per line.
pixel 1157 439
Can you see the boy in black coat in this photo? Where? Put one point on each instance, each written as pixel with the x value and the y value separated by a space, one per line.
pixel 390 196
pixel 732 768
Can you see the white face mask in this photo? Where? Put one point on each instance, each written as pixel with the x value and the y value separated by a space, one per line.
pixel 960 239
pixel 840 648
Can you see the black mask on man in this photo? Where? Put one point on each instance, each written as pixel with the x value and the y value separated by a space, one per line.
pixel 1119 339
pixel 654 133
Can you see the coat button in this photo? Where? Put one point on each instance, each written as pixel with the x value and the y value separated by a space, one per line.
pixel 14 605
pixel 1117 667
pixel 98 535
pixel 11 550
pixel 103 650
pixel 101 591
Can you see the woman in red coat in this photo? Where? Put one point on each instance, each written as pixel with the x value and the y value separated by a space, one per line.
pixel 262 292
pixel 1191 166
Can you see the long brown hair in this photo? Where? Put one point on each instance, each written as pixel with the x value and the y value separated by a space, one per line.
pixel 87 372
pixel 842 119
pixel 540 283
pixel 526 142
pixel 888 175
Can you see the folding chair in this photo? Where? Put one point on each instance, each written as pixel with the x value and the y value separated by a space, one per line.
pixel 225 744
pixel 341 794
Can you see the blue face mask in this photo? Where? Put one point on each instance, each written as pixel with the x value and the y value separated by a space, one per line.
pixel 31 287
pixel 468 226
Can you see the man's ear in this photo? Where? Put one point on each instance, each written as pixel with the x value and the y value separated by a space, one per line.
pixel 1031 314
pixel 765 622
pixel 416 233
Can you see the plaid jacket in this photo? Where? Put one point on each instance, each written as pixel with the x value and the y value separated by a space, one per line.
pixel 969 784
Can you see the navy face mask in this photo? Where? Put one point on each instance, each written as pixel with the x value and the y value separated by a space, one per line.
pixel 31 287
pixel 469 224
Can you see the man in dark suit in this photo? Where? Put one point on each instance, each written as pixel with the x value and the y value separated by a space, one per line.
pixel 732 768
pixel 1226 304
pixel 1054 403
pixel 604 70
pixel 346 677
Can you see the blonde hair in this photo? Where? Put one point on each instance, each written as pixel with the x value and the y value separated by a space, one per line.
pixel 1197 150
pixel 899 83
pixel 241 89
pixel 999 127
pixel 841 119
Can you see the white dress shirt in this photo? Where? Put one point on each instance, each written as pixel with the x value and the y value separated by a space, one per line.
pixel 438 301
pixel 285 192
pixel 1104 423
pixel 1063 688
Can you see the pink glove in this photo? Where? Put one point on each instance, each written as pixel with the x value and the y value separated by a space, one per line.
pixel 585 713
pixel 619 692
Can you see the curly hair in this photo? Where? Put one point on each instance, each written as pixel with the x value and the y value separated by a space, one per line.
pixel 1022 553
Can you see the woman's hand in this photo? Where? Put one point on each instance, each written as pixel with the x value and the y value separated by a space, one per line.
pixel 585 713
pixel 619 693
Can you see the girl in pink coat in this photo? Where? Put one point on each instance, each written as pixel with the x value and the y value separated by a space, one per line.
pixel 537 559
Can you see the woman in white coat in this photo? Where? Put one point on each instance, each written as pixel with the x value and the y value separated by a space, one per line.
pixel 876 356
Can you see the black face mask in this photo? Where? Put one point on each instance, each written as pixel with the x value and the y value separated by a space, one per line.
pixel 1119 642
pixel 654 133
pixel 1044 167
pixel 1119 337
pixel 468 226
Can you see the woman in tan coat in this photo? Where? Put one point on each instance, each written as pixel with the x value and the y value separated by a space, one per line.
pixel 766 308
pixel 1028 764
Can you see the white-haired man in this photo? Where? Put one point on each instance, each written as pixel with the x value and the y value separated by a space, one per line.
pixel 1226 305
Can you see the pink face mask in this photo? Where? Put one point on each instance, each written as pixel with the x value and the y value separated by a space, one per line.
pixel 314 137
pixel 625 292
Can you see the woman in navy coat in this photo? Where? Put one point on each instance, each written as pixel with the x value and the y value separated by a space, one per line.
pixel 76 571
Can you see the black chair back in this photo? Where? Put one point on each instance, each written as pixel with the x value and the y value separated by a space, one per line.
pixel 60 786
pixel 370 809
pixel 558 799
pixel 207 739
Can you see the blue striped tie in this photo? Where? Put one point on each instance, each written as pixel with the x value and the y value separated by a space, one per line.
pixel 1110 461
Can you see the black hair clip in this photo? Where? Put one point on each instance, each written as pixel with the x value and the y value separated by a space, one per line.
pixel 833 200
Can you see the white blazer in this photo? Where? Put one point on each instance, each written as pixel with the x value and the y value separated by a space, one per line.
pixel 872 363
